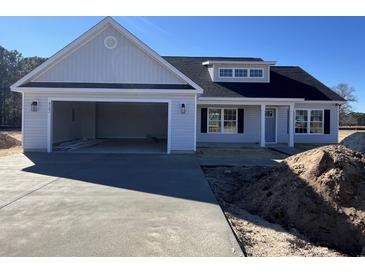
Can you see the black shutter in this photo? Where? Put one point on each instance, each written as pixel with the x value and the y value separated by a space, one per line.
pixel 327 121
pixel 241 119
pixel 203 120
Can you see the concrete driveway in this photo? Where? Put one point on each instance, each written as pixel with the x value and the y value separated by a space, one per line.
pixel 109 205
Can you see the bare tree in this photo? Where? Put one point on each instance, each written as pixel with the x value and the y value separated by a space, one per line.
pixel 346 92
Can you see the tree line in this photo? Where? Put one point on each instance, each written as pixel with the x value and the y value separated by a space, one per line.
pixel 14 66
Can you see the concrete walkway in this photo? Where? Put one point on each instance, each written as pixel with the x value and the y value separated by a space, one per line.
pixel 109 205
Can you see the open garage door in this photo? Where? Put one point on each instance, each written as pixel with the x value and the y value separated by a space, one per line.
pixel 109 127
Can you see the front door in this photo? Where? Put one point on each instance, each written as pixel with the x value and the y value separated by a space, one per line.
pixel 270 125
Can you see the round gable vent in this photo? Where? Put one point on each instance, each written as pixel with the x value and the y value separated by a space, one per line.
pixel 110 42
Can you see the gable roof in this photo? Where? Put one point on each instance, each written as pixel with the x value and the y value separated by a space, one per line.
pixel 87 36
pixel 285 82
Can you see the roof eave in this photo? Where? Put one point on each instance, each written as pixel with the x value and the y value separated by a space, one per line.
pixel 213 62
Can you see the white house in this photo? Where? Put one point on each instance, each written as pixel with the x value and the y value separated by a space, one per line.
pixel 108 85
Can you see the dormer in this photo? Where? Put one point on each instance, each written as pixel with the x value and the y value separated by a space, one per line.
pixel 239 71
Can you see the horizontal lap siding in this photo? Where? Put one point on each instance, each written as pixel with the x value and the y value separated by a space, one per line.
pixel 182 125
pixel 283 135
pixel 251 127
pixel 35 123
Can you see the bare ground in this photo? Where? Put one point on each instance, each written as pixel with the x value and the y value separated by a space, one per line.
pixel 10 142
pixel 258 237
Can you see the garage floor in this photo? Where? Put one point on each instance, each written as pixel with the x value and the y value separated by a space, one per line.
pixel 144 146
pixel 109 205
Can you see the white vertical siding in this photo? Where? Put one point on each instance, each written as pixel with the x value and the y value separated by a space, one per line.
pixel 93 62
pixel 251 132
pixel 182 125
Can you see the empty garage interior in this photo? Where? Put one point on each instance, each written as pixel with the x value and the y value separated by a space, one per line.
pixel 110 127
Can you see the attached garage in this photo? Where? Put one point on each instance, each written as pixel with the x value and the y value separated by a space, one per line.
pixel 110 127
pixel 108 92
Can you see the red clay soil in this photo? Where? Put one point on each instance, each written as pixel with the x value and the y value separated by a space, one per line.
pixel 320 193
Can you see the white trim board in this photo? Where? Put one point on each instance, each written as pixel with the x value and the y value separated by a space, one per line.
pixel 104 90
pixel 87 36
pixel 119 100
pixel 246 99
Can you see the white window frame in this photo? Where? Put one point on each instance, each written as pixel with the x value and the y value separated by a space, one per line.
pixel 309 110
pixel 222 121
pixel 219 73
pixel 238 77
pixel 248 73
pixel 259 77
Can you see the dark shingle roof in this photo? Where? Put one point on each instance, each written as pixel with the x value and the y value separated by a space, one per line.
pixel 285 82
pixel 217 58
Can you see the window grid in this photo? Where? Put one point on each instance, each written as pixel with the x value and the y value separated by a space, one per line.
pixel 240 73
pixel 256 73
pixel 214 120
pixel 222 120
pixel 226 72
pixel 309 121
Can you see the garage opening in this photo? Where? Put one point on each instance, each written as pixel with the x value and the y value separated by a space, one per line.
pixel 109 127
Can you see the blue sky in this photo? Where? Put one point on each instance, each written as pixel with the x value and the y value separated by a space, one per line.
pixel 330 48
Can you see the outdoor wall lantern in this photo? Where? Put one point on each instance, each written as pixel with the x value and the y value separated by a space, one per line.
pixel 183 109
pixel 34 106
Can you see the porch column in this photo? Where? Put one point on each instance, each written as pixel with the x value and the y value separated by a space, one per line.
pixel 262 124
pixel 291 125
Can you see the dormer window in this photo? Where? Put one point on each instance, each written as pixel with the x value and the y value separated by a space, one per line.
pixel 256 73
pixel 240 73
pixel 225 72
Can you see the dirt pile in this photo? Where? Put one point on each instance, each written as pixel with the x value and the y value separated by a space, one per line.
pixel 7 141
pixel 355 141
pixel 320 193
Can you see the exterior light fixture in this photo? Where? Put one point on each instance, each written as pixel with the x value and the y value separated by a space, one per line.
pixel 183 109
pixel 34 106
